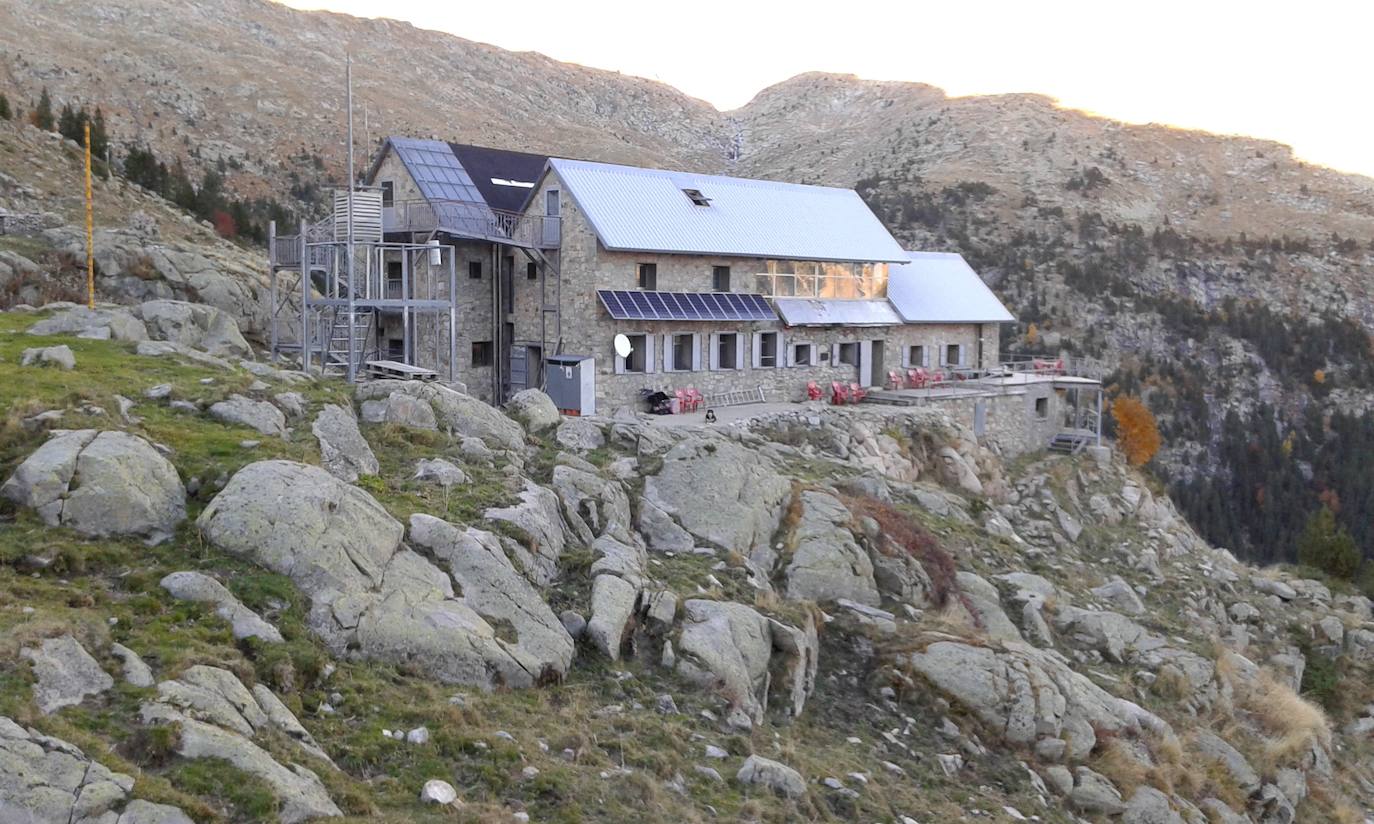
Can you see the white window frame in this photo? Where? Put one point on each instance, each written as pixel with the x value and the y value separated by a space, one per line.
pixel 670 363
pixel 715 353
pixel 650 344
pixel 812 353
pixel 837 348
pixel 779 349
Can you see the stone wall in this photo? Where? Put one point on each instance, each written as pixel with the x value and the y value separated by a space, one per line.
pixel 1012 424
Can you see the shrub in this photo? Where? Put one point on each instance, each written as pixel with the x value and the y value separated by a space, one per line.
pixel 1136 430
pixel 900 532
pixel 1327 546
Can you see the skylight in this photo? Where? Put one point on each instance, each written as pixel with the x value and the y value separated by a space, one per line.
pixel 697 197
pixel 521 184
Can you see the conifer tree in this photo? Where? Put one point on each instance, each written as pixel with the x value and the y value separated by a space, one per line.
pixel 42 114
pixel 5 113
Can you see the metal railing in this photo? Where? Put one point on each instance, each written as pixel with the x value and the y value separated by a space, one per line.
pixel 475 220
pixel 1041 365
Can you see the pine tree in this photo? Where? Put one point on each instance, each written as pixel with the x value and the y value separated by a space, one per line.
pixel 5 113
pixel 42 113
pixel 1328 547
pixel 100 139
pixel 69 125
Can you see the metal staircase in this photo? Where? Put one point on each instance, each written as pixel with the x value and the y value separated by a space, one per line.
pixel 366 346
pixel 1071 443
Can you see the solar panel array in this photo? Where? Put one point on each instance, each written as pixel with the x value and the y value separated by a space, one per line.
pixel 702 306
pixel 436 171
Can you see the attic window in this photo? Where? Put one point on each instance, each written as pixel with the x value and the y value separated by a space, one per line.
pixel 519 184
pixel 697 197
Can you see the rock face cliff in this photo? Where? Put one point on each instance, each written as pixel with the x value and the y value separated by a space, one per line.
pixel 814 614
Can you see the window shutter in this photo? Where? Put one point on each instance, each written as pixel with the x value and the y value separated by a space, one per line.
pixel 713 355
pixel 739 351
pixel 696 352
pixel 906 356
pixel 668 364
pixel 962 362
pixel 791 357
pixel 650 342
pixel 834 354
pixel 780 353
pixel 925 356
pixel 619 362
pixel 756 350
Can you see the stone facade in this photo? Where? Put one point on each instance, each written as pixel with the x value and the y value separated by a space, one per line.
pixel 587 329
pixel 475 300
pixel 583 327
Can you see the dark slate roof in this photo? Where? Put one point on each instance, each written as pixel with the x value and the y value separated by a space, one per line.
pixel 486 166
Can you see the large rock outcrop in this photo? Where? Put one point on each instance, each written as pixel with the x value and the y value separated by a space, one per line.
pixel 747 656
pixel 1021 693
pixel 827 564
pixel 723 494
pixel 45 780
pixel 344 452
pixel 370 595
pixel 101 484
pixel 454 411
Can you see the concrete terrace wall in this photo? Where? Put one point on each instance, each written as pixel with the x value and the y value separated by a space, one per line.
pixel 587 329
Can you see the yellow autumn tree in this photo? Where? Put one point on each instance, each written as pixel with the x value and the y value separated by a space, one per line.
pixel 1136 431
pixel 1032 334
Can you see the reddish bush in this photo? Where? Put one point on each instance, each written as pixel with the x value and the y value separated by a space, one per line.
pixel 899 532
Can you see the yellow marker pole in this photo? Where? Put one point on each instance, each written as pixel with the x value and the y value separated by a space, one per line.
pixel 90 227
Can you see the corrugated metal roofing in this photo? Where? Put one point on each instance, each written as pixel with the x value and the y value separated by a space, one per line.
pixel 940 287
pixel 815 312
pixel 436 170
pixel 633 209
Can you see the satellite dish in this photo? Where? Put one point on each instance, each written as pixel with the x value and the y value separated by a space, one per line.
pixel 622 346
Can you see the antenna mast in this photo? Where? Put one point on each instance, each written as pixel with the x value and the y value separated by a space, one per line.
pixel 352 292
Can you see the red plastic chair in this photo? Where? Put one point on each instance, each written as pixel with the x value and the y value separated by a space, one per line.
pixel 813 391
pixel 916 378
pixel 894 379
pixel 937 377
pixel 684 404
pixel 695 397
pixel 857 393
pixel 839 395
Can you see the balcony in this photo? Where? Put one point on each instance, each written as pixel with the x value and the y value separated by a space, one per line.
pixel 473 220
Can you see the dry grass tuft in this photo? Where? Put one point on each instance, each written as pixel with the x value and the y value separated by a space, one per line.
pixel 902 533
pixel 1293 724
pixel 1117 759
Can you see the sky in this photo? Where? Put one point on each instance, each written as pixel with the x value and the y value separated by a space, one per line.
pixel 1299 73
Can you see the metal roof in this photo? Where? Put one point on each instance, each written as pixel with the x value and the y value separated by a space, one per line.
pixel 940 287
pixel 815 312
pixel 647 210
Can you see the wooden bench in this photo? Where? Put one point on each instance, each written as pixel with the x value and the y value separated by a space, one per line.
pixel 401 371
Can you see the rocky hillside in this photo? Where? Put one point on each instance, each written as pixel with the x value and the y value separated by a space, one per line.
pixel 231 592
pixel 1226 278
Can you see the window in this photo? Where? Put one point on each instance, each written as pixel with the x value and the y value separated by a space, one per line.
pixel 727 350
pixel 720 278
pixel 393 280
pixel 532 271
pixel 551 204
pixel 481 353
pixel 916 356
pixel 953 355
pixel 768 349
pixel 803 354
pixel 849 353
pixel 1042 408
pixel 809 279
pixel 648 276
pixel 388 194
pixel 637 362
pixel 395 349
pixel 682 353
pixel 697 197
pixel 475 269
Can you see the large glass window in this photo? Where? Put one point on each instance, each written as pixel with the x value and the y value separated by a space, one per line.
pixel 810 279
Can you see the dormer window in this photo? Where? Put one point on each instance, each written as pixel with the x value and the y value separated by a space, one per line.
pixel 697 197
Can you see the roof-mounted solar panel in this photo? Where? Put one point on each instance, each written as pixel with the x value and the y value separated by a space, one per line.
pixel 689 306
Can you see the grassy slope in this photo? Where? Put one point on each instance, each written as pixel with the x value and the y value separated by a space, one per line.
pixel 93 581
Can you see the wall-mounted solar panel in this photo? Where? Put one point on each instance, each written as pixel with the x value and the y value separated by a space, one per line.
pixel 690 306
